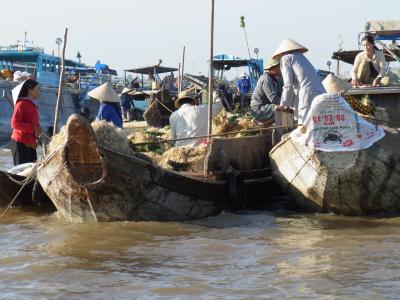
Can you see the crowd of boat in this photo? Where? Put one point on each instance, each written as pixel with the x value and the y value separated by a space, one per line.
pixel 343 158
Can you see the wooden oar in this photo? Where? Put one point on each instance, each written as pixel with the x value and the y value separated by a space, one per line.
pixel 377 120
pixel 214 135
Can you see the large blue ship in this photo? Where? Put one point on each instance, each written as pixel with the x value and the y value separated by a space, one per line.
pixel 45 68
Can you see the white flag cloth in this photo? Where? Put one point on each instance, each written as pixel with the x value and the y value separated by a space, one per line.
pixel 332 125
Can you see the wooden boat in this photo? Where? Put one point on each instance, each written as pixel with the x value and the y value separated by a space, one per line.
pixel 32 193
pixel 87 182
pixel 351 183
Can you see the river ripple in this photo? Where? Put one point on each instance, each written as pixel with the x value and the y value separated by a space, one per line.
pixel 251 255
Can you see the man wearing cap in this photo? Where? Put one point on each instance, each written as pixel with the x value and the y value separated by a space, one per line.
pixel 267 94
pixel 243 84
pixel 190 120
pixel 110 108
pixel 300 81
pixel 244 87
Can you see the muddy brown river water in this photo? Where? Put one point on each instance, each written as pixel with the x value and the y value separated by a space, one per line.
pixel 250 255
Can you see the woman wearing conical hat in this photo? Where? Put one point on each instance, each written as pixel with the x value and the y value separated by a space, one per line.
pixel 110 107
pixel 25 122
pixel 300 80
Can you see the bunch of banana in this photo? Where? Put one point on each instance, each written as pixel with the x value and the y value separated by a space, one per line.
pixel 363 105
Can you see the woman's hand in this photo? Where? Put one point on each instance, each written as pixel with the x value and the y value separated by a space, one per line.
pixel 38 131
pixel 355 82
pixel 377 81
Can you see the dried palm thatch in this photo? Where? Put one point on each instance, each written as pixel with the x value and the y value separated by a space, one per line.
pixel 111 137
pixel 106 135
pixel 226 122
pixel 182 155
pixel 57 139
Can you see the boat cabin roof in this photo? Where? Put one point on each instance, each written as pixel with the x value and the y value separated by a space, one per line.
pixel 350 56
pixel 32 56
pixel 383 29
pixel 152 69
pixel 374 90
pixel 222 61
pixel 89 70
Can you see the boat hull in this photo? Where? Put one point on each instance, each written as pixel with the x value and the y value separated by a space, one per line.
pixel 351 183
pixel 89 183
pixel 31 195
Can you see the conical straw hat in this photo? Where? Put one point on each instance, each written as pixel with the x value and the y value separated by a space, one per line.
pixel 288 45
pixel 104 93
pixel 334 84
pixel 126 90
pixel 16 91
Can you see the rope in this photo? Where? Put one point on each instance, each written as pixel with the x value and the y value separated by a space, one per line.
pixel 215 135
pixel 164 106
pixel 378 120
pixel 19 182
pixel 30 178
pixel 27 181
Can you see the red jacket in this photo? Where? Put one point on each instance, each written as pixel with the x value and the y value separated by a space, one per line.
pixel 24 120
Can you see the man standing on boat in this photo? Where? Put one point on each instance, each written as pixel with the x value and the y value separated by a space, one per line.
pixel 244 87
pixel 190 120
pixel 126 104
pixel 301 83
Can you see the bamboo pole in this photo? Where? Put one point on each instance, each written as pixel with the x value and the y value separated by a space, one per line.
pixel 211 71
pixel 60 84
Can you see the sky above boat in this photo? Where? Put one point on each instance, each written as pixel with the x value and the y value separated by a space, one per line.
pixel 127 34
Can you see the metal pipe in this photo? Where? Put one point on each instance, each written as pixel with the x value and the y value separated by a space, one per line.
pixel 337 67
pixel 390 51
pixel 179 79
pixel 183 65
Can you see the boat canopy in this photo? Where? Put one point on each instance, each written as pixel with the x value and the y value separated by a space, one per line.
pixel 45 67
pixel 90 70
pixel 383 30
pixel 152 70
pixel 33 57
pixel 350 56
pixel 255 67
pixel 226 61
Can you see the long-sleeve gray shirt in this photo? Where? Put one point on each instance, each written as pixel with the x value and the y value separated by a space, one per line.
pixel 266 95
pixel 301 84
